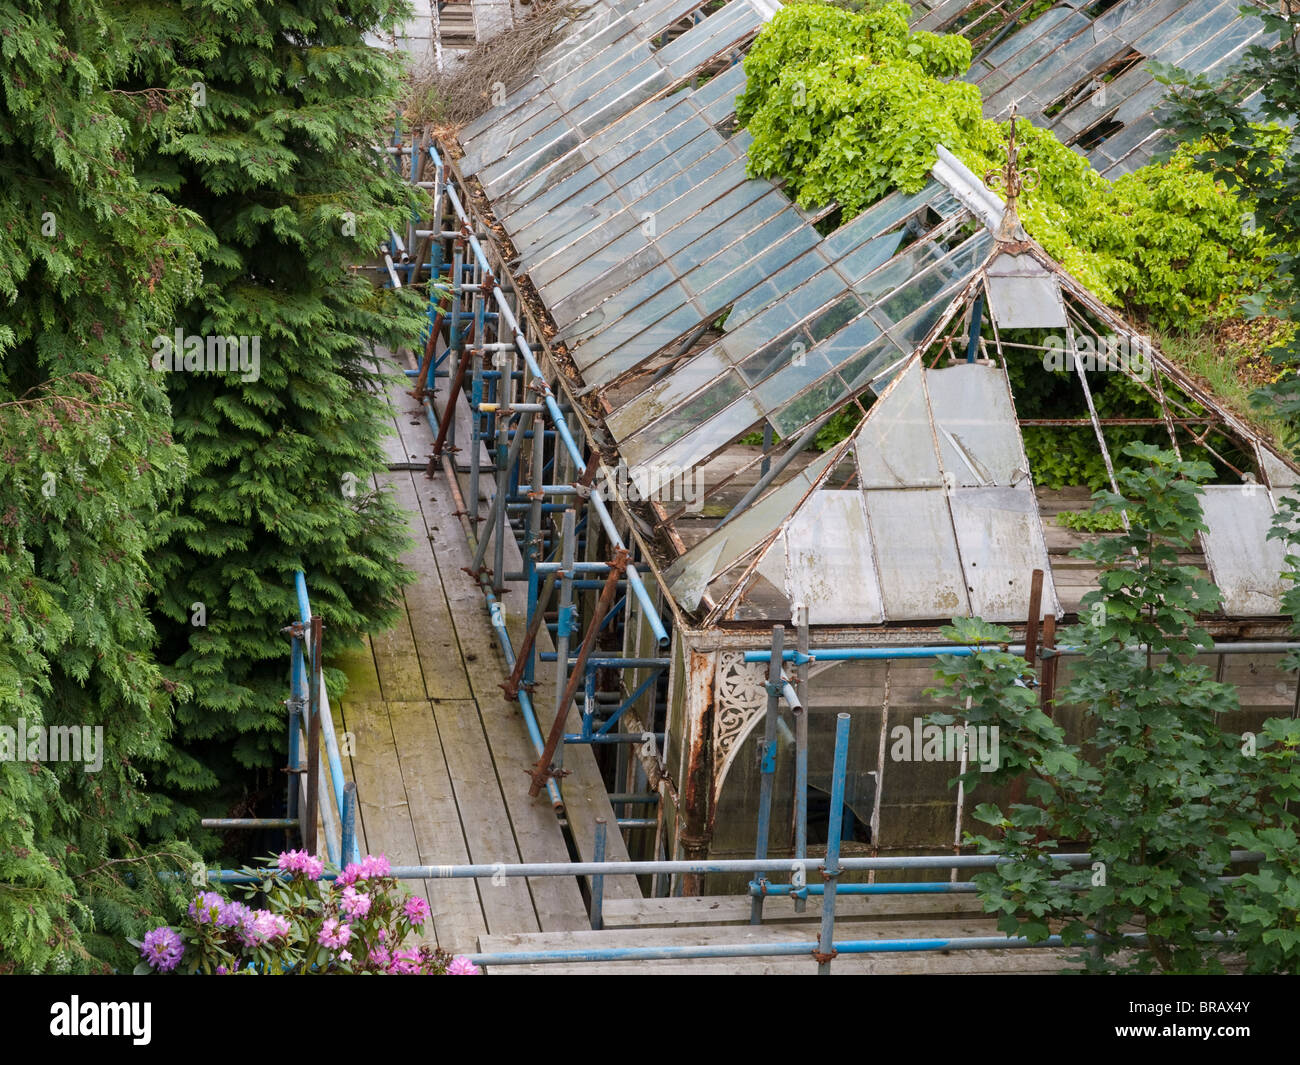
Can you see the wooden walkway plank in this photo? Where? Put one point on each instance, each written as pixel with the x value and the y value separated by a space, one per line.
pixel 436 647
pixel 382 805
pixel 446 612
pixel 507 903
pixel 400 678
pixel 557 901
pixel 712 910
pixel 1036 960
pixel 358 665
pixel 436 823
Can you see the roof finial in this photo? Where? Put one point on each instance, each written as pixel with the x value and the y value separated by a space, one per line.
pixel 1012 180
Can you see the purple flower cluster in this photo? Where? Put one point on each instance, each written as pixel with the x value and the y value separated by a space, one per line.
pixel 405 962
pixel 252 927
pixel 207 908
pixel 162 949
pixel 359 911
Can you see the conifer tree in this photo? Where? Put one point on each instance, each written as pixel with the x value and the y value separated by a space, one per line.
pixel 89 261
pixel 277 154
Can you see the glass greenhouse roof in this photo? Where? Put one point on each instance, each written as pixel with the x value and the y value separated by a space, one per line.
pixel 699 305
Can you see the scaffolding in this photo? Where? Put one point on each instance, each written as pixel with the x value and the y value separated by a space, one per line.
pixel 615 308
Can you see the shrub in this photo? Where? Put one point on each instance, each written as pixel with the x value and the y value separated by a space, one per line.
pixel 1162 794
pixel 357 922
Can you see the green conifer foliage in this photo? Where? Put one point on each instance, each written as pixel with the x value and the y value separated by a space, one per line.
pixel 276 154
pixel 88 261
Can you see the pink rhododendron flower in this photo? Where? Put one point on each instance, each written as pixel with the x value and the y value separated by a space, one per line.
pixel 405 962
pixel 355 903
pixel 301 862
pixel 335 934
pixel 372 866
pixel 417 910
pixel 268 925
pixel 462 966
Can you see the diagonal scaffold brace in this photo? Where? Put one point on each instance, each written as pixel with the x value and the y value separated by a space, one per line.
pixel 513 683
pixel 544 769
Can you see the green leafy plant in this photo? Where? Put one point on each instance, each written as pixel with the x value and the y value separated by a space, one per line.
pixel 1240 127
pixel 847 106
pixel 1160 794
pixel 1090 520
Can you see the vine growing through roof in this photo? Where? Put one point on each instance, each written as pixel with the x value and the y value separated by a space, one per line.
pixel 847 106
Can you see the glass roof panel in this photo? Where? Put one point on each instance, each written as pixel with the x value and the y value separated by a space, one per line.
pixel 880 217
pixel 1020 56
pixel 600 331
pixel 834 576
pixel 863 368
pixel 747 337
pixel 614 269
pixel 580 80
pixel 871 256
pixel 1245 564
pixel 1000 537
pixel 928 285
pixel 707 305
pixel 717 97
pixel 899 270
pixel 975 425
pixel 694 411
pixel 1184 17
pixel 774 288
pixel 594 228
pixel 753 524
pixel 805 409
pixel 682 319
pixel 895 445
pixel 619 98
pixel 797 373
pixel 685 380
pixel 744 250
pixel 916 554
pixel 786 245
pixel 502 131
pixel 1021 39
pixel 687 451
pixel 618 146
pixel 708 38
